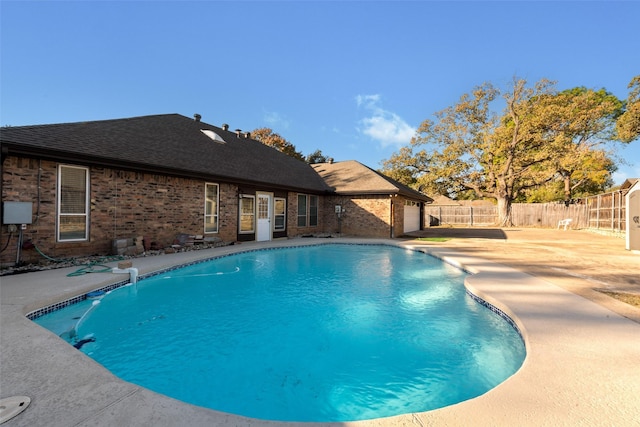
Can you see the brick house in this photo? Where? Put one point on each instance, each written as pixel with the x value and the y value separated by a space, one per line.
pixel 79 187
pixel 370 204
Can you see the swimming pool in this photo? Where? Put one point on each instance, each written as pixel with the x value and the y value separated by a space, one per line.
pixel 321 333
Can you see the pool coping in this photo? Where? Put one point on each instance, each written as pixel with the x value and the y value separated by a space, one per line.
pixel 581 367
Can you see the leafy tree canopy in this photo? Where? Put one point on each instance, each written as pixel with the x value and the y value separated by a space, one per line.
pixel 628 125
pixel 542 137
pixel 272 139
pixel 316 157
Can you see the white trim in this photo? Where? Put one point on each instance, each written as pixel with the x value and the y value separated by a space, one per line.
pixel 216 214
pixel 60 215
pixel 284 214
pixel 253 220
pixel 264 226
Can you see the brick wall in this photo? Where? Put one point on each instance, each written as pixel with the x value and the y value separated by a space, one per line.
pixel 398 216
pixel 364 216
pixel 292 217
pixel 126 204
pixel 123 204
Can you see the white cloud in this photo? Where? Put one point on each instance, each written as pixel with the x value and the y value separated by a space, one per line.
pixel 276 121
pixel 383 126
pixel 368 101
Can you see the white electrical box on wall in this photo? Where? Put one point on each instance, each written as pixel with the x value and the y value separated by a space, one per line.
pixel 17 212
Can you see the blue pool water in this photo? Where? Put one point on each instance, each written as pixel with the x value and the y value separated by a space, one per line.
pixel 321 333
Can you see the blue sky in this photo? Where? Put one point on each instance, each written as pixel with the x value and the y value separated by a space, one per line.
pixel 351 78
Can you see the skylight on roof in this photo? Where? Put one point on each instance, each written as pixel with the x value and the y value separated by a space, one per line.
pixel 211 134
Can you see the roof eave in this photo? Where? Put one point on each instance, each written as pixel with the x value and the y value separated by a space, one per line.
pixel 78 158
pixel 422 198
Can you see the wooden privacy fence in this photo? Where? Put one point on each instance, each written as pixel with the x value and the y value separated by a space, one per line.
pixel 546 215
pixel 604 212
pixel 607 211
pixel 460 215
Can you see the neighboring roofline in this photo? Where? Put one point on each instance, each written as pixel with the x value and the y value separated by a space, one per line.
pixel 635 183
pixel 628 183
pixel 398 188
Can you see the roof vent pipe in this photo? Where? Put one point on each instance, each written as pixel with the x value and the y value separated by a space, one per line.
pixel 238 132
pixel 197 117
pixel 247 135
pixel 225 126
pixel 330 160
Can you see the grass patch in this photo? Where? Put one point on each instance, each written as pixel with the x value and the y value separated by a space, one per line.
pixel 631 299
pixel 433 239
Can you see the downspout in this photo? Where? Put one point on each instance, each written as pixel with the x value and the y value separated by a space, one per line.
pixel 391 218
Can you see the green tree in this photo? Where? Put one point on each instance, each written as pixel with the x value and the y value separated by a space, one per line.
pixel 470 148
pixel 272 139
pixel 596 179
pixel 316 157
pixel 628 125
pixel 540 136
pixel 580 121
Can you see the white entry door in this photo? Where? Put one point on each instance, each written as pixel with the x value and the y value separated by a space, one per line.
pixel 263 231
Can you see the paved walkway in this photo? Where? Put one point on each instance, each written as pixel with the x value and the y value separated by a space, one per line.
pixel 582 365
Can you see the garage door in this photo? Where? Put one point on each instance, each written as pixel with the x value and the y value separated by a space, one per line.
pixel 411 218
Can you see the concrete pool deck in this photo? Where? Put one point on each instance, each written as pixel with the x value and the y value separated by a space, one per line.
pixel 582 365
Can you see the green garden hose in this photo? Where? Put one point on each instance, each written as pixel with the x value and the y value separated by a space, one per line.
pixel 91 267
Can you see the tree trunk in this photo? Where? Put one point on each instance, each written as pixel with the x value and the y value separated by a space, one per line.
pixel 567 187
pixel 504 212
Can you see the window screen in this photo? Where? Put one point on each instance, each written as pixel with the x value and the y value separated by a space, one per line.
pixel 302 210
pixel 279 213
pixel 247 214
pixel 72 203
pixel 211 208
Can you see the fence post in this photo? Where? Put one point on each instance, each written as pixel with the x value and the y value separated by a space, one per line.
pixel 620 210
pixel 598 214
pixel 471 215
pixel 613 212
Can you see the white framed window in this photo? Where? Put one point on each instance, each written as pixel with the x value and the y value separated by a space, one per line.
pixel 313 211
pixel 73 203
pixel 302 210
pixel 247 214
pixel 211 198
pixel 307 210
pixel 279 214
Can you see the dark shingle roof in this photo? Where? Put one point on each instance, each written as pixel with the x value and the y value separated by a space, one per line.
pixel 352 178
pixel 169 143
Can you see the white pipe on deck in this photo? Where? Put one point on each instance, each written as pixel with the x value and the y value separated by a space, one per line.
pixel 132 271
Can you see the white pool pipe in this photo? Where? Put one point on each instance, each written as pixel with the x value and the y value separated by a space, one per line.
pixel 132 271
